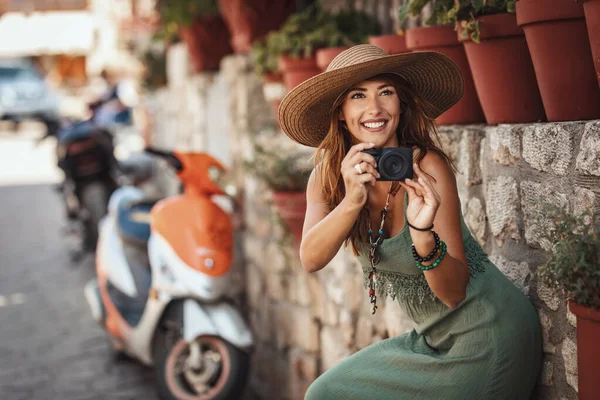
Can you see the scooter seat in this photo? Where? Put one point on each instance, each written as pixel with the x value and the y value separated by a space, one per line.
pixel 133 219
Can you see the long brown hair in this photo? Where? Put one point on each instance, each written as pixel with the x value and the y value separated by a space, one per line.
pixel 414 129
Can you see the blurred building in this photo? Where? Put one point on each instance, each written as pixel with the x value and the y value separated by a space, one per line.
pixel 71 40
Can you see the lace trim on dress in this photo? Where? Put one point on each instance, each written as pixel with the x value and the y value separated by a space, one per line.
pixel 402 286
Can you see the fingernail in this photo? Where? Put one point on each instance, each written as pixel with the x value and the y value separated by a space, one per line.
pixel 372 144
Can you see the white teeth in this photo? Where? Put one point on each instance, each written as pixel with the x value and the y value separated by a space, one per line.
pixel 374 125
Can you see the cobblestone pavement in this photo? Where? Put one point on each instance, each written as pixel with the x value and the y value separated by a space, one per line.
pixel 50 346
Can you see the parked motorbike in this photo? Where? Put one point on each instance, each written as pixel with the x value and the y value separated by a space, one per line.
pixel 163 272
pixel 86 153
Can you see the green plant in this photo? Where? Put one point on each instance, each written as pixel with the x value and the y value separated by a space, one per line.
pixel 462 13
pixel 573 266
pixel 307 31
pixel 175 14
pixel 440 15
pixel 281 171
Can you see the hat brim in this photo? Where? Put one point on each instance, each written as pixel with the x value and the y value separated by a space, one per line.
pixel 305 112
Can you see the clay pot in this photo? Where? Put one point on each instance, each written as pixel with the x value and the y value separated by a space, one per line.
pixel 296 71
pixel 591 9
pixel 291 207
pixel 588 350
pixel 503 72
pixel 560 49
pixel 325 56
pixel 391 44
pixel 442 39
pixel 207 41
pixel 250 20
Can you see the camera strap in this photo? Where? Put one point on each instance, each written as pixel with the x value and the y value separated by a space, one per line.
pixel 374 242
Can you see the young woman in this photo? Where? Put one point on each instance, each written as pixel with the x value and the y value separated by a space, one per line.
pixel 476 335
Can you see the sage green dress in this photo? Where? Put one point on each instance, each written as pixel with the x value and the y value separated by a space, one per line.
pixel 489 347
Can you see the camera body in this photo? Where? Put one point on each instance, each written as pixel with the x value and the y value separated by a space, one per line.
pixel 393 163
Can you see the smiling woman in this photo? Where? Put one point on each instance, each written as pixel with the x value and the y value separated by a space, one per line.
pixel 476 335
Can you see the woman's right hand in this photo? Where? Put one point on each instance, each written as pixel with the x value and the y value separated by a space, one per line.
pixel 354 181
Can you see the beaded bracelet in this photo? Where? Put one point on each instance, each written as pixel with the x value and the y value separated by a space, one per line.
pixel 436 262
pixel 430 256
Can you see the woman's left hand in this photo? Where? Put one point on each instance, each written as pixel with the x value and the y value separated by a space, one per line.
pixel 423 200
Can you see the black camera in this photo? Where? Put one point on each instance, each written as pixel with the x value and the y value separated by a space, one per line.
pixel 393 163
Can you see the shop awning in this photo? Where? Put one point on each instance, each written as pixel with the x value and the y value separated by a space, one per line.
pixel 47 33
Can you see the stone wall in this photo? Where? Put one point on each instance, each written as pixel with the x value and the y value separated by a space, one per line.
pixel 306 323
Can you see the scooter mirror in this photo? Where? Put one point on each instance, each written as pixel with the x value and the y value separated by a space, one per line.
pixel 168 156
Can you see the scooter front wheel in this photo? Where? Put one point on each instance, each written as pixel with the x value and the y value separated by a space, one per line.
pixel 219 373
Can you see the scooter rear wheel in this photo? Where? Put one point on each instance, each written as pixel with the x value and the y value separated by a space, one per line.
pixel 222 375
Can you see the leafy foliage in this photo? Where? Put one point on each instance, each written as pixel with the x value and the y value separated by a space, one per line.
pixel 175 14
pixel 462 13
pixel 573 266
pixel 282 171
pixel 309 30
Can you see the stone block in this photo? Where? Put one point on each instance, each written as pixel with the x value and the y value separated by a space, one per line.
pixel 364 331
pixel 519 273
pixel 505 144
pixel 354 293
pixel 469 153
pixel 476 219
pixel 547 295
pixel 333 349
pixel 569 353
pixel 502 206
pixel 347 327
pixel 255 285
pixel 547 373
pixel 274 259
pixel 295 327
pixel 254 249
pixel 299 291
pixel 304 365
pixel 588 158
pixel 450 138
pixel 535 197
pixel 584 200
pixel 548 147
pixel 546 324
pixel 278 285
pixel 571 318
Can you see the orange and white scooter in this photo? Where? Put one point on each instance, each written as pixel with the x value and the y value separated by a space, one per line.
pixel 162 280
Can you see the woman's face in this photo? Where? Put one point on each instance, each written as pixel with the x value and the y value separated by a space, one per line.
pixel 371 110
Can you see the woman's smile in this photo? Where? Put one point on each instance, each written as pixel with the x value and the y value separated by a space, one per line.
pixel 371 111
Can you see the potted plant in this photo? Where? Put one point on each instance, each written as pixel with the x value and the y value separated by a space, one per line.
pixel 556 30
pixel 347 28
pixel 499 61
pixel 591 8
pixel 440 36
pixel 573 268
pixel 286 174
pixel 296 43
pixel 251 20
pixel 199 24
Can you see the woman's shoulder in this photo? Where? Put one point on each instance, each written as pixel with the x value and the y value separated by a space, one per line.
pixel 433 163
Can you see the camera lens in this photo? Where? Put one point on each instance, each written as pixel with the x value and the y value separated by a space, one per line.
pixel 394 165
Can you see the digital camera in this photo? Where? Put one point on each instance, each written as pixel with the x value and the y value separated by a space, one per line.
pixel 393 163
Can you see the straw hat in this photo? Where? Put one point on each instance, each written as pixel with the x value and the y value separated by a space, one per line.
pixel 305 112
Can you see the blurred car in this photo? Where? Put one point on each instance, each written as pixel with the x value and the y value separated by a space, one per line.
pixel 25 95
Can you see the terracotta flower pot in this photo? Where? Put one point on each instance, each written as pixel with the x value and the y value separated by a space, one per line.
pixel 207 41
pixel 560 49
pixel 588 350
pixel 592 21
pixel 391 44
pixel 296 71
pixel 442 39
pixel 291 207
pixel 249 20
pixel 325 56
pixel 503 72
